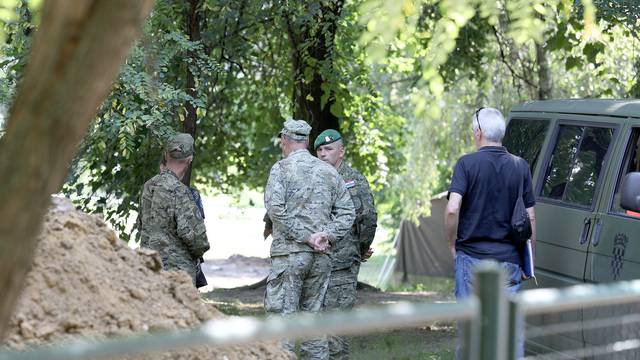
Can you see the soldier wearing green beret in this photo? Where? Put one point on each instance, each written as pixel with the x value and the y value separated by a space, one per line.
pixel 170 221
pixel 311 210
pixel 355 246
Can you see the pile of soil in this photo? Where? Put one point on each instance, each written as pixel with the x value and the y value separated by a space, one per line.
pixel 85 281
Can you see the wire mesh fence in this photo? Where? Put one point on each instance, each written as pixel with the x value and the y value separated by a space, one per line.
pixel 583 322
pixel 580 322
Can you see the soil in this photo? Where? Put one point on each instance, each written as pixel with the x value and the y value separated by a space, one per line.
pixel 236 271
pixel 86 282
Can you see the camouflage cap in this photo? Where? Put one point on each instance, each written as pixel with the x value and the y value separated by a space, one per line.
pixel 296 129
pixel 179 146
pixel 326 137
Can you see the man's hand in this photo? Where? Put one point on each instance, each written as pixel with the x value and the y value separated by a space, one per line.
pixel 367 255
pixel 451 215
pixel 319 242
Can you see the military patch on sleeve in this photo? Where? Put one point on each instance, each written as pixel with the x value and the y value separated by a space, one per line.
pixel 349 183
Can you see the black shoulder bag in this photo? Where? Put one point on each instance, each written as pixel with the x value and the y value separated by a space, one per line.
pixel 520 222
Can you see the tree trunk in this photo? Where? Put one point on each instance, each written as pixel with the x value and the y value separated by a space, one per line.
pixel 545 86
pixel 76 55
pixel 307 95
pixel 193 22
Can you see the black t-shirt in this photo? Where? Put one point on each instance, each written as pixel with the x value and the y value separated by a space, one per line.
pixel 489 182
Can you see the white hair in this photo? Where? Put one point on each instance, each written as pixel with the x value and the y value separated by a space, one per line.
pixel 491 123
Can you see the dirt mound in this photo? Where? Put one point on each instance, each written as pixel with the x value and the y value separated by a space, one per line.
pixel 86 282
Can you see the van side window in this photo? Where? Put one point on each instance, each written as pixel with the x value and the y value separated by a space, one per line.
pixel 631 163
pixel 524 138
pixel 574 170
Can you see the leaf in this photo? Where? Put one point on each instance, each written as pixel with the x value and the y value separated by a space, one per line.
pixel 337 109
pixel 571 62
pixel 592 49
pixel 559 40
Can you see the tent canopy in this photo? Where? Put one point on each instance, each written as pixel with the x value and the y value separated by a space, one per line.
pixel 422 249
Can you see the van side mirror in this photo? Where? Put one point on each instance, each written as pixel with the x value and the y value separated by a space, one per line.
pixel 630 192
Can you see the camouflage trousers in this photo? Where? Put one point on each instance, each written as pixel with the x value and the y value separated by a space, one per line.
pixel 189 266
pixel 341 295
pixel 298 282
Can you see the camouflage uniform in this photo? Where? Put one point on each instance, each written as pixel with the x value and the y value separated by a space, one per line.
pixel 303 196
pixel 347 253
pixel 171 223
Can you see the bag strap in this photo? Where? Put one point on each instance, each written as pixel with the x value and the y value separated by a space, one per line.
pixel 516 159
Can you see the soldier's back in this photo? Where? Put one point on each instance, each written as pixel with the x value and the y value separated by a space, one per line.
pixel 312 185
pixel 309 188
pixel 157 211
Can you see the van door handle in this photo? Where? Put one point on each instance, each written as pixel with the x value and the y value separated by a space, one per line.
pixel 596 233
pixel 585 231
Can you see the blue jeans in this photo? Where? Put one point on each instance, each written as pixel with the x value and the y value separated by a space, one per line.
pixel 465 277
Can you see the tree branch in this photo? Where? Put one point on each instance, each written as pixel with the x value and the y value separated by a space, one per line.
pixel 503 57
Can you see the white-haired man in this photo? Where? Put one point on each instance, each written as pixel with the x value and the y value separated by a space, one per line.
pixel 484 189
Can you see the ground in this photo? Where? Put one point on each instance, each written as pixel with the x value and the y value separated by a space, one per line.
pixel 239 258
pixel 432 341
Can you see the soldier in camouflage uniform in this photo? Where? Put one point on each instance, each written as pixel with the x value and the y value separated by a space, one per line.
pixel 355 247
pixel 310 208
pixel 170 221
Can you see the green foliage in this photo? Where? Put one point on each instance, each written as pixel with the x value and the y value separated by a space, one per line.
pixel 16 18
pixel 123 146
pixel 401 78
pixel 444 59
pixel 244 78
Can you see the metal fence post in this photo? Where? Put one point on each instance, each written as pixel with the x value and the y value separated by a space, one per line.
pixel 493 311
pixel 516 333
pixel 470 332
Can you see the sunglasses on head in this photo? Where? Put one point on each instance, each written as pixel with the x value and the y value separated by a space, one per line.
pixel 477 115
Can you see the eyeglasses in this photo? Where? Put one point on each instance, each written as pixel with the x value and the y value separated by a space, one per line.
pixel 477 115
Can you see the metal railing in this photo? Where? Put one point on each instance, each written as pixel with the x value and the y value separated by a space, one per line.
pixel 580 297
pixel 490 322
pixel 246 330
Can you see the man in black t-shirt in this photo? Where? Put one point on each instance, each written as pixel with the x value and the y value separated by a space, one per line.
pixel 483 192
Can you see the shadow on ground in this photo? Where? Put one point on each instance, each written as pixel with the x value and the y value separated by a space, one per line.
pixel 432 341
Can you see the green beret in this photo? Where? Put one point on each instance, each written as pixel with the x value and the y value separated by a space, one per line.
pixel 326 137
pixel 179 146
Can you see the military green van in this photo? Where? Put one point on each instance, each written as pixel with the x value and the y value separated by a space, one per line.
pixel 585 163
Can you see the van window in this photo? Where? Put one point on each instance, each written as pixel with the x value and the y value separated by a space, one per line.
pixel 576 163
pixel 631 163
pixel 524 138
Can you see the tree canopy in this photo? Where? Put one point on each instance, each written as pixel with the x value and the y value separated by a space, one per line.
pixel 399 79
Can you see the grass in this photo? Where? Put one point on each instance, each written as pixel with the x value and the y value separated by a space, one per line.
pixel 436 341
pixel 431 342
pixel 421 343
pixel 422 283
pixel 370 272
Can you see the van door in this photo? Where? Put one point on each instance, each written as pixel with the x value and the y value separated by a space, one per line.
pixel 614 253
pixel 614 250
pixel 568 193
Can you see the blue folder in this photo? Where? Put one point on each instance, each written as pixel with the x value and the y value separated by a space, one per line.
pixel 528 266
